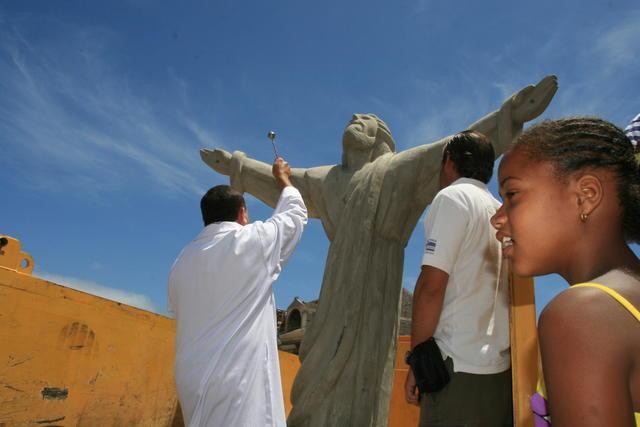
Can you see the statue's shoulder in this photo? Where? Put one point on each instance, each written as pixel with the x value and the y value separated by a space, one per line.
pixel 320 173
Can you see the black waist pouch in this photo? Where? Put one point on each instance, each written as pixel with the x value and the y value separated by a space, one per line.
pixel 428 367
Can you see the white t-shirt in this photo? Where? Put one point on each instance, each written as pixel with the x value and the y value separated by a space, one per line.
pixel 220 289
pixel 474 324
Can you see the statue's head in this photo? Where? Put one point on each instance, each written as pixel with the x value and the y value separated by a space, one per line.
pixel 366 132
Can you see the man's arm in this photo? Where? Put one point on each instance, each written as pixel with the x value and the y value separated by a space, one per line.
pixel 253 176
pixel 281 233
pixel 445 229
pixel 428 298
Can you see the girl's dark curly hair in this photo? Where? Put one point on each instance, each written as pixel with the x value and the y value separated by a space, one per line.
pixel 578 143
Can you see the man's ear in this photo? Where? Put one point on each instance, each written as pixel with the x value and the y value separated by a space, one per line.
pixel 242 217
pixel 589 193
pixel 452 168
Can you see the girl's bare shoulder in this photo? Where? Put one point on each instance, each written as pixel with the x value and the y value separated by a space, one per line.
pixel 590 311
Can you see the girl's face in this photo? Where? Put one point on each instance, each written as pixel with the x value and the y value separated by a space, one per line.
pixel 539 220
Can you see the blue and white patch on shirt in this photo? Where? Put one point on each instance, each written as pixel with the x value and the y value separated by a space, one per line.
pixel 430 247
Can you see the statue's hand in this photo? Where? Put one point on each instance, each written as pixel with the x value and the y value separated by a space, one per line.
pixel 218 159
pixel 531 101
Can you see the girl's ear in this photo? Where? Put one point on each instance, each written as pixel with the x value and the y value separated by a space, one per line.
pixel 589 194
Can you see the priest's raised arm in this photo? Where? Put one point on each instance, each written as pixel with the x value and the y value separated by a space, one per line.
pixel 254 177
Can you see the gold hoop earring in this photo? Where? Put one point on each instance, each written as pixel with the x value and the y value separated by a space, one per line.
pixel 583 217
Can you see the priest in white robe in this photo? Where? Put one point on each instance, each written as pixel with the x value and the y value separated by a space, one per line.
pixel 220 290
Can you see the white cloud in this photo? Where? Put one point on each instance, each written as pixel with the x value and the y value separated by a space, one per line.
pixel 444 121
pixel 204 136
pixel 444 114
pixel 598 79
pixel 603 72
pixel 74 121
pixel 129 298
pixel 421 6
pixel 618 46
pixel 96 265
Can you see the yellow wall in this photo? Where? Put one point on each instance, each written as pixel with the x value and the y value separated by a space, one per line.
pixel 70 358
pixel 400 412
pixel 289 365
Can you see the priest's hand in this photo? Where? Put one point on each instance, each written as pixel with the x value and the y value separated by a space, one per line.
pixel 281 172
pixel 531 101
pixel 218 159
pixel 411 392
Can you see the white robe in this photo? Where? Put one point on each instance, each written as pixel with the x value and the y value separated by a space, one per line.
pixel 220 290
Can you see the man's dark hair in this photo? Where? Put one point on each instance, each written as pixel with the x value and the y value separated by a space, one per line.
pixel 221 203
pixel 472 154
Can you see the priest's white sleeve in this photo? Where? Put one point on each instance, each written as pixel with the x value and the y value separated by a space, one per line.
pixel 280 234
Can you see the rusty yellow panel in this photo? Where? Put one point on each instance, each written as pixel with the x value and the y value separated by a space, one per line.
pixel 400 412
pixel 70 358
pixel 289 365
pixel 524 348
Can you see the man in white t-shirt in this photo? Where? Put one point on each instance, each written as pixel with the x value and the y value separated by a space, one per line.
pixel 461 296
pixel 220 290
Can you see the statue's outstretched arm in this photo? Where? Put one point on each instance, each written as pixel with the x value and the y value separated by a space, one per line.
pixel 500 126
pixel 505 124
pixel 251 176
pixel 418 169
pixel 420 165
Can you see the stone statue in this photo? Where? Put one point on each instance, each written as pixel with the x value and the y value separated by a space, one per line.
pixel 368 205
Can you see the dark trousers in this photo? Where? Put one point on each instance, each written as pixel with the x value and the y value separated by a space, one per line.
pixel 469 400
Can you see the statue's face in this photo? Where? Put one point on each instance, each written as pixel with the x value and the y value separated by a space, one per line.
pixel 360 132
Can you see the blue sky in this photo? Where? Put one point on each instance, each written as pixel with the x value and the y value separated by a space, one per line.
pixel 104 106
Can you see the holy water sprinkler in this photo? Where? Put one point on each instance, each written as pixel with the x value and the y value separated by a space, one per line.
pixel 272 136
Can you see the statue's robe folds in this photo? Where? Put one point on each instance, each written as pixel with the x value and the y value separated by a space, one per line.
pixel 348 351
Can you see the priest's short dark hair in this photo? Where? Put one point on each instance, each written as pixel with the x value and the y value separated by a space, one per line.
pixel 221 203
